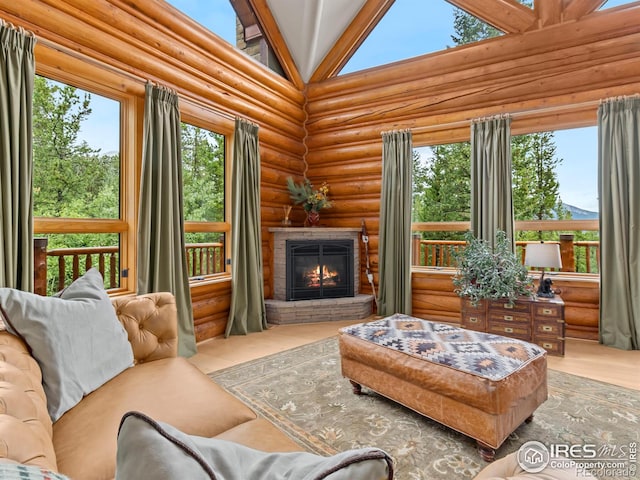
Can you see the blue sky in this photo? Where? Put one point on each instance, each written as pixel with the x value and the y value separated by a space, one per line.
pixel 410 28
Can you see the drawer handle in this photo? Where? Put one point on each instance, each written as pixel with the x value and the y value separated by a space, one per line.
pixel 548 346
pixel 473 320
pixel 508 305
pixel 508 318
pixel 508 330
pixel 547 311
pixel 547 328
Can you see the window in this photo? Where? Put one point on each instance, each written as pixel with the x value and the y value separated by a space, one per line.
pixel 441 202
pixel 203 171
pixel 554 196
pixel 77 181
pixel 400 34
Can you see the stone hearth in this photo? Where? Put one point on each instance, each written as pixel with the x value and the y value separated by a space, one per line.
pixel 280 311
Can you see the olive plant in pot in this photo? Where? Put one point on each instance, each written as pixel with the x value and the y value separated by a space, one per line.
pixel 486 273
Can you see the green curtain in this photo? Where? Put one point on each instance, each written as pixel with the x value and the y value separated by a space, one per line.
pixel 162 263
pixel 491 196
pixel 394 249
pixel 17 71
pixel 619 203
pixel 247 313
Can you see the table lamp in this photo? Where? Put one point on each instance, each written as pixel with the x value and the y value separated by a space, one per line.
pixel 543 255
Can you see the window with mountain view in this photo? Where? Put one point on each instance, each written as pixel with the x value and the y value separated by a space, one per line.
pixel 542 191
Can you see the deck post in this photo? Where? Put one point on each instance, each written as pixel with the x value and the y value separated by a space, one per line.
pixel 567 253
pixel 40 265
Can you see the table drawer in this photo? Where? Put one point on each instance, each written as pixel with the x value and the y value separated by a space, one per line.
pixel 508 317
pixel 468 306
pixel 474 321
pixel 547 311
pixel 505 306
pixel 554 346
pixel 514 330
pixel 549 328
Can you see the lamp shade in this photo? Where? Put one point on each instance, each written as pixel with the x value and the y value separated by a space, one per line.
pixel 544 255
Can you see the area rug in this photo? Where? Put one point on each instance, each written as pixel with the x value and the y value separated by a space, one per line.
pixel 303 392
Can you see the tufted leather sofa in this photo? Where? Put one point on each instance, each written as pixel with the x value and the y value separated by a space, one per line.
pixel 168 388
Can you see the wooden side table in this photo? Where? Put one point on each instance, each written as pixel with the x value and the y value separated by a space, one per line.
pixel 536 320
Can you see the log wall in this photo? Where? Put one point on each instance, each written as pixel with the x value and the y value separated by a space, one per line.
pixel 546 79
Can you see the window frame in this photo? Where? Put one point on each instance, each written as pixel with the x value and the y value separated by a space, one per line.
pixel 203 117
pixel 100 80
pixel 560 118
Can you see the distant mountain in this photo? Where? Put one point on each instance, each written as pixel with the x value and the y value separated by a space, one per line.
pixel 579 213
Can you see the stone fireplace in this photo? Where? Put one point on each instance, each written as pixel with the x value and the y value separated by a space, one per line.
pixel 316 276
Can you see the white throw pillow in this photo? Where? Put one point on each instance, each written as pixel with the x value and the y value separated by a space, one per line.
pixel 76 338
pixel 150 450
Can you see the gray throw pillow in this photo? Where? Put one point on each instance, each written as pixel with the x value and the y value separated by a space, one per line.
pixel 156 451
pixel 76 338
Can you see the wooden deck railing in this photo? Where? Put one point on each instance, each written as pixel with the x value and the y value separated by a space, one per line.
pixel 205 258
pixel 105 259
pixel 57 268
pixel 579 256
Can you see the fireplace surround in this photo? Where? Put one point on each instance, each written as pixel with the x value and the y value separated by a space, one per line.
pixel 319 269
pixel 337 303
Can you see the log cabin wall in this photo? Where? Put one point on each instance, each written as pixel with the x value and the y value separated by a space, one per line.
pixel 130 42
pixel 549 78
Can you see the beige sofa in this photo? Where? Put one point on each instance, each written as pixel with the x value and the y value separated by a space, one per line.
pixel 82 443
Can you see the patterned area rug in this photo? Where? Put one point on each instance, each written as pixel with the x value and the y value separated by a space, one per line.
pixel 303 392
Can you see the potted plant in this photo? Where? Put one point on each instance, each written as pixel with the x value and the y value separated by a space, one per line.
pixel 486 273
pixel 312 200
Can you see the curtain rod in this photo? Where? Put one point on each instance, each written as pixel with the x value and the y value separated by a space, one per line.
pixel 130 75
pixel 514 115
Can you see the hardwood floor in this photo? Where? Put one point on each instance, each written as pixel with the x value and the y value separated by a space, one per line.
pixel 582 358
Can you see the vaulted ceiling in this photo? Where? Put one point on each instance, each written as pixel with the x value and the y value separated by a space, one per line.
pixel 313 39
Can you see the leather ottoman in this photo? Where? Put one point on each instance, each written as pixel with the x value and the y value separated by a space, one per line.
pixel 480 384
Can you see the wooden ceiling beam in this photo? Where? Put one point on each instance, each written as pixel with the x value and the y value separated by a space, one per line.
pixel 357 31
pixel 506 15
pixel 549 12
pixel 277 41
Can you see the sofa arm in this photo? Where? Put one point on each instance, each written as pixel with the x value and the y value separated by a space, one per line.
pixel 151 324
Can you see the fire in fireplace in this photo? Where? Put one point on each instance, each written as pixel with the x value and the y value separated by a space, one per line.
pixel 319 269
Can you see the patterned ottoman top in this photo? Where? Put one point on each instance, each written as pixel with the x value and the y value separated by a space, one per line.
pixel 483 354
